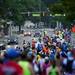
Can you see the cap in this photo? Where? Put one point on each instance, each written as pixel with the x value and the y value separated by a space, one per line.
pixel 12 53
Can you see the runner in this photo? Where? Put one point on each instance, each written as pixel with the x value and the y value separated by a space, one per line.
pixel 53 69
pixel 27 67
pixel 10 66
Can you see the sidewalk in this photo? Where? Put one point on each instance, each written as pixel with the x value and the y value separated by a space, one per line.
pixel 73 39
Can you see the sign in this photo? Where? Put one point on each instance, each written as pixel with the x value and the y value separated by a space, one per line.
pixel 36 14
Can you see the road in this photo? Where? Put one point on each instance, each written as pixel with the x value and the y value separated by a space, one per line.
pixel 50 33
pixel 29 38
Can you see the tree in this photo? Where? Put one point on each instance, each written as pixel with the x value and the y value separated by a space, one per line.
pixel 61 7
pixel 69 9
pixel 14 8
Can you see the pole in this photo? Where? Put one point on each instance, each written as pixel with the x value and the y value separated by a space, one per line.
pixel 28 13
pixel 57 25
pixel 60 25
pixel 40 10
pixel 10 30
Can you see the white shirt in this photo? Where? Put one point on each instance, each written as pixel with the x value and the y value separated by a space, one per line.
pixel 36 45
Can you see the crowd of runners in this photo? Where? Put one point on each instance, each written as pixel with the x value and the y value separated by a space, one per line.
pixel 49 55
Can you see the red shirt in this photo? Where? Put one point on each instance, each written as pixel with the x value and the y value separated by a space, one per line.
pixel 33 44
pixel 73 52
pixel 11 68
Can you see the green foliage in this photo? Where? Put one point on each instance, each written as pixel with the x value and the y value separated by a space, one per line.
pixel 64 6
pixel 15 7
pixel 61 7
pixel 56 8
pixel 12 8
pixel 69 7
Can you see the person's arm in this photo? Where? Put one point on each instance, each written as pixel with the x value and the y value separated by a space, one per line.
pixel 59 71
pixel 48 70
pixel 31 69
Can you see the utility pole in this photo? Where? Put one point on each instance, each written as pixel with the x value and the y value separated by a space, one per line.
pixel 57 24
pixel 40 9
pixel 10 28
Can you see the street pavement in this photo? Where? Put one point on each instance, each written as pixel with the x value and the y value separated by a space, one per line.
pixel 50 32
pixel 29 38
pixel 73 39
pixel 22 37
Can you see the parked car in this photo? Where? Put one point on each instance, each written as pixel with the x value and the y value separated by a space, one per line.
pixel 27 33
pixel 12 42
pixel 37 34
pixel 2 46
